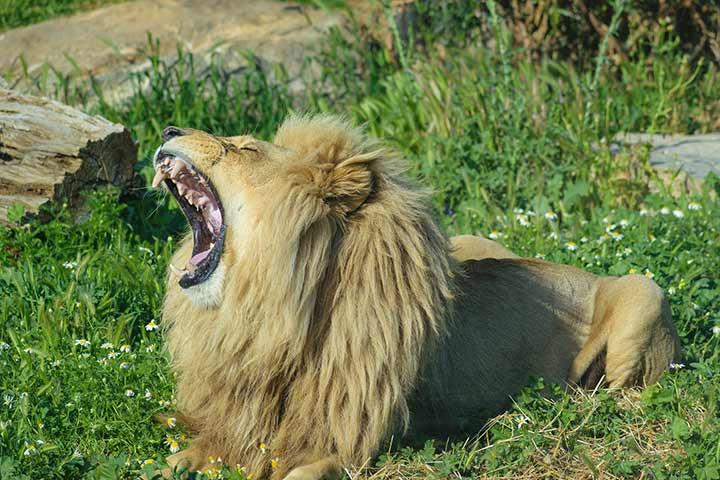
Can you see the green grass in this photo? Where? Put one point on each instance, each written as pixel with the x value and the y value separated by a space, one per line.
pixel 18 13
pixel 514 147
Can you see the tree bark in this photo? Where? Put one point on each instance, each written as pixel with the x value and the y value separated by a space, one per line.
pixel 50 152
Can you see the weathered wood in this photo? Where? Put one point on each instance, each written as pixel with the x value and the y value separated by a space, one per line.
pixel 50 152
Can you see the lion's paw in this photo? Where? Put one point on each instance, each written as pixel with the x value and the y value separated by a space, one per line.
pixel 302 473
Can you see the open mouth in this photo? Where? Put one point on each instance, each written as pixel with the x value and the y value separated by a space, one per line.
pixel 201 206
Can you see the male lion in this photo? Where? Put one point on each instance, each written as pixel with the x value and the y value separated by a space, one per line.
pixel 321 309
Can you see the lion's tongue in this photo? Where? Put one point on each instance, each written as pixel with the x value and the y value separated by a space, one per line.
pixel 199 257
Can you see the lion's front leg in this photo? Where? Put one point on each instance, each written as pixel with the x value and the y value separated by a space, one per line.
pixel 327 468
pixel 194 458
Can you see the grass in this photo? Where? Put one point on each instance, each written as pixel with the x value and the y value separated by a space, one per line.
pixel 515 147
pixel 18 13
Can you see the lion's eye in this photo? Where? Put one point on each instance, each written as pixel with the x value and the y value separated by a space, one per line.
pixel 251 149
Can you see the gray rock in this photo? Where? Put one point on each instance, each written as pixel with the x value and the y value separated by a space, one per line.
pixel 110 42
pixel 695 155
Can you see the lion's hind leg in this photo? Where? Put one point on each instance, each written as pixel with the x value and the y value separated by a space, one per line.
pixel 633 339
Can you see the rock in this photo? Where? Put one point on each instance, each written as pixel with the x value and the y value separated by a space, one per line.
pixel 694 155
pixel 50 152
pixel 109 42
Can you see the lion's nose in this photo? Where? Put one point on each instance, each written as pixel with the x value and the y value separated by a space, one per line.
pixel 171 132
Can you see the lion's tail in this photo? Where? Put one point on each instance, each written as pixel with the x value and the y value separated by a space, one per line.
pixel 633 339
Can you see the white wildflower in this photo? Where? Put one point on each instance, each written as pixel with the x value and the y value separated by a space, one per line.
pixel 29 351
pixel 4 346
pixel 551 216
pixel 151 326
pixel 572 246
pixel 124 365
pixel 678 214
pixel 30 450
pixel 172 444
pixel 522 420
pixel 129 393
pixel 82 342
pixel 107 346
pixel 617 236
pixel 693 206
pixel 70 265
pixel 664 211
pixel 494 235
pixel 113 355
pixel 649 274
pixel 716 330
pixel 676 366
pixel 125 348
pixel 624 223
pixel 522 220
pixel 148 394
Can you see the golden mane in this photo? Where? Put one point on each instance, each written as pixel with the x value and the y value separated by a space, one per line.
pixel 335 290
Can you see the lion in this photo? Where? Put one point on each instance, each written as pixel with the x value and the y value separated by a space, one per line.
pixel 322 310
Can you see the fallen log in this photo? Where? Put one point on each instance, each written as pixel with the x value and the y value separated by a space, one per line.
pixel 51 152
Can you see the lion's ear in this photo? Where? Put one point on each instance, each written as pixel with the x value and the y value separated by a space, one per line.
pixel 348 185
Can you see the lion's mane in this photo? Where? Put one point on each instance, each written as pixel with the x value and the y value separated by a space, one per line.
pixel 333 293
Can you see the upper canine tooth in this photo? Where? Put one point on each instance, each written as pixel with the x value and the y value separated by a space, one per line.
pixel 177 168
pixel 181 188
pixel 159 176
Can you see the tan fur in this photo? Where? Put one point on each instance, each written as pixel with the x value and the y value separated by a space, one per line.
pixel 342 318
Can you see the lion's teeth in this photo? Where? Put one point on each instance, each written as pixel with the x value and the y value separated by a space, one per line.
pixel 176 271
pixel 181 188
pixel 178 167
pixel 159 177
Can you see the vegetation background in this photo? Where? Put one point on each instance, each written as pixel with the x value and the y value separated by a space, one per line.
pixel 507 110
